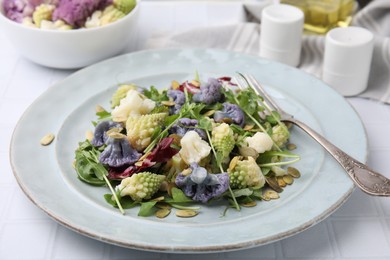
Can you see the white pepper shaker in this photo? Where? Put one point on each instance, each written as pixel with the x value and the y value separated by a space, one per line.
pixel 347 59
pixel 281 33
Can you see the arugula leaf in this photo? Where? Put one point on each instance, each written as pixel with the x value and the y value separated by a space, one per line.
pixel 205 124
pixel 126 202
pixel 87 164
pixel 147 208
pixel 155 95
pixel 103 115
pixel 242 192
pixel 178 196
pixel 274 118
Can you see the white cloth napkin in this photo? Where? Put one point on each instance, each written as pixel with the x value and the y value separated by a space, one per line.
pixel 245 37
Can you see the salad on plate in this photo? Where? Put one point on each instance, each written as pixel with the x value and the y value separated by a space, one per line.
pixel 194 143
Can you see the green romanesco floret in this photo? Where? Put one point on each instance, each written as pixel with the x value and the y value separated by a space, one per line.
pixel 223 139
pixel 42 12
pixel 140 186
pixel 280 134
pixel 141 128
pixel 110 14
pixel 124 6
pixel 245 173
pixel 121 93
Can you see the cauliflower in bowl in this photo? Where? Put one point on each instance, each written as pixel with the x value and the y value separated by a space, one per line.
pixel 66 14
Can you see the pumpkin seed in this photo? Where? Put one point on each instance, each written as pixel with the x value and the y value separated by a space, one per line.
pixel 227 120
pixel 89 135
pixel 273 184
pixel 271 194
pixel 195 83
pixel 288 179
pixel 162 205
pixel 248 151
pixel 209 113
pixel 170 187
pixel 266 198
pixel 186 213
pixel 47 139
pixel 249 204
pixel 162 213
pixel 186 172
pixel 161 198
pixel 99 109
pixel 288 124
pixel 233 163
pixel 293 172
pixel 168 103
pixel 176 139
pixel 248 127
pixel 291 147
pixel 281 181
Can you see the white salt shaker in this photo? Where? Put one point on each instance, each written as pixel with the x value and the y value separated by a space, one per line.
pixel 347 59
pixel 281 33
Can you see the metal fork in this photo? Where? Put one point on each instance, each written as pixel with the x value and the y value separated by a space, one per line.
pixel 365 178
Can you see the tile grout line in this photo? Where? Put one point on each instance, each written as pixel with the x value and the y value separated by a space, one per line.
pixel 332 238
pixel 50 249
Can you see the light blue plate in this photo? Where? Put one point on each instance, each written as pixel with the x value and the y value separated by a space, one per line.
pixel 46 175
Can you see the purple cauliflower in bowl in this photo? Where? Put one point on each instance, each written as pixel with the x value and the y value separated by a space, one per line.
pixel 30 26
pixel 75 12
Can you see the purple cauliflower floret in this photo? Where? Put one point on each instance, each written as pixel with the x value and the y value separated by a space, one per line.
pixel 184 125
pixel 179 99
pixel 201 185
pixel 100 136
pixel 230 113
pixel 210 92
pixel 75 12
pixel 16 10
pixel 118 152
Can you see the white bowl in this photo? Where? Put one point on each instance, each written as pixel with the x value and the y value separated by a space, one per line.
pixel 73 48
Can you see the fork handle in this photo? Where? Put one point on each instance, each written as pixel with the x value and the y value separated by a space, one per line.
pixel 366 179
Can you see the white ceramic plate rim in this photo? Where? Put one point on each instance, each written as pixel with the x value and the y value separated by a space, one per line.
pixel 54 198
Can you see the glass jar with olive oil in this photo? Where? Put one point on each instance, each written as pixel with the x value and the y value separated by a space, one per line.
pixel 323 15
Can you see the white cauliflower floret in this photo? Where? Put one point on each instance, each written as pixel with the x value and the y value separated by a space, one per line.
pixel 193 148
pixel 57 25
pixel 94 20
pixel 134 104
pixel 27 21
pixel 261 142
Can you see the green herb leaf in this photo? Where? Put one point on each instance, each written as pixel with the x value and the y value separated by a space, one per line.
pixel 274 118
pixel 242 192
pixel 103 115
pixel 87 164
pixel 178 196
pixel 205 124
pixel 147 208
pixel 153 94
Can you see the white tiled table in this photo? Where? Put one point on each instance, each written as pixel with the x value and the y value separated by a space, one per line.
pixel 360 229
